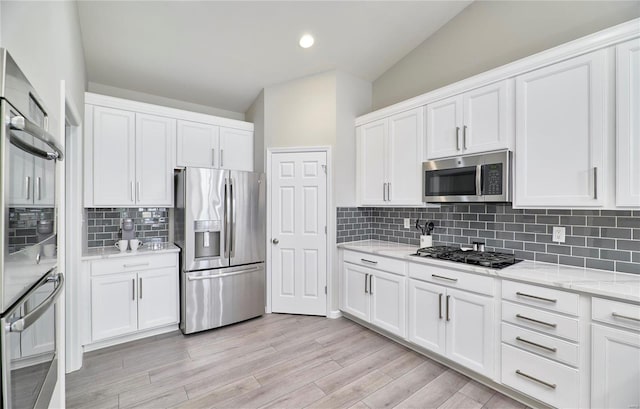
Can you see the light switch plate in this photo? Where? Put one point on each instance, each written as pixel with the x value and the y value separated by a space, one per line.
pixel 407 223
pixel 558 234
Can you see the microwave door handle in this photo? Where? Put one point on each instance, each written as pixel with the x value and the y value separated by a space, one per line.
pixel 479 180
pixel 33 316
pixel 20 123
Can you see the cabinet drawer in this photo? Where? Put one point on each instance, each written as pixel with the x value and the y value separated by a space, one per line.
pixel 540 320
pixel 373 261
pixel 550 347
pixel 616 313
pixel 548 381
pixel 132 263
pixel 453 278
pixel 542 297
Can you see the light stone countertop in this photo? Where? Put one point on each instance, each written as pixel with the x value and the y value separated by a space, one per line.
pixel 623 286
pixel 113 252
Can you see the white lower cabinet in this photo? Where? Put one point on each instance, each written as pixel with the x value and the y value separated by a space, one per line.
pixel 453 323
pixel 615 354
pixel 375 296
pixel 125 301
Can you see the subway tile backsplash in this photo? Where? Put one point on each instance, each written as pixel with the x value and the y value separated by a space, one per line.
pixel 103 224
pixel 602 239
pixel 23 226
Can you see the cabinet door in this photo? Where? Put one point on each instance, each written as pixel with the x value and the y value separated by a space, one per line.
pixel 236 149
pixel 470 326
pixel 355 297
pixel 21 175
pixel 488 118
pixel 615 368
pixel 371 152
pixel 388 302
pixel 426 315
pixel 444 120
pixel 113 306
pixel 628 123
pixel 560 134
pixel 197 145
pixel 113 157
pixel 157 298
pixel 404 153
pixel 44 174
pixel 155 139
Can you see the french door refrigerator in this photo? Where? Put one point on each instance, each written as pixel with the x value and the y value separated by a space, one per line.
pixel 219 224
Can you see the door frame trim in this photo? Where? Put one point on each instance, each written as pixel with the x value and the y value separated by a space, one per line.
pixel 330 220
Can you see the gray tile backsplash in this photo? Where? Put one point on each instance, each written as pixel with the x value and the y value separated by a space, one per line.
pixel 23 225
pixel 103 225
pixel 602 239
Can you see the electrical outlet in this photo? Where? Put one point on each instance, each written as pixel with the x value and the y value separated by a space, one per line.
pixel 559 234
pixel 407 223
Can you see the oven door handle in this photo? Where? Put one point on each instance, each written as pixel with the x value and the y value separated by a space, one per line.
pixel 20 123
pixel 26 321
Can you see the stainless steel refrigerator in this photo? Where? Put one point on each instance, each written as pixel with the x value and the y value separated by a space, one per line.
pixel 219 224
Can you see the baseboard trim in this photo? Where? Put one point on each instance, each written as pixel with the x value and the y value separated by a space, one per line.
pixel 130 337
pixel 334 314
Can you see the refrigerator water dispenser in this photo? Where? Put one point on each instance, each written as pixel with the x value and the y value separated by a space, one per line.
pixel 207 238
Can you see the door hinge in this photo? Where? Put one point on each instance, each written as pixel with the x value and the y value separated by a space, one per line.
pixel 324 167
pixel 325 289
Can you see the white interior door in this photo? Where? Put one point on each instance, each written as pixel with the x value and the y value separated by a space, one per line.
pixel 298 236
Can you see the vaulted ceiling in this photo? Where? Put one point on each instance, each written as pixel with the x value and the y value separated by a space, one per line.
pixel 221 54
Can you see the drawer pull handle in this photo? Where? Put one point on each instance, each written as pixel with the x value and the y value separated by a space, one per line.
pixel 444 278
pixel 626 317
pixel 547 384
pixel 522 317
pixel 135 265
pixel 535 297
pixel 364 260
pixel 536 344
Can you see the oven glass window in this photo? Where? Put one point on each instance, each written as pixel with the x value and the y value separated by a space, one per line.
pixel 450 182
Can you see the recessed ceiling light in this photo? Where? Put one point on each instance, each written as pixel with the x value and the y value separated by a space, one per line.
pixel 306 41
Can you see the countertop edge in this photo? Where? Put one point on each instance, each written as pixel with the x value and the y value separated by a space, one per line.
pixel 386 249
pixel 89 257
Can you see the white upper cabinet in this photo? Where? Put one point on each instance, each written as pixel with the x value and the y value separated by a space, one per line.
pixel 390 153
pixel 113 154
pixel 628 124
pixel 21 171
pixel 560 134
pixel 236 149
pixel 477 121
pixel 209 146
pixel 198 145
pixel 155 138
pixel 488 118
pixel 44 174
pixel 444 120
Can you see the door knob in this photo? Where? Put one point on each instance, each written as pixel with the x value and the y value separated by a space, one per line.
pixel 275 241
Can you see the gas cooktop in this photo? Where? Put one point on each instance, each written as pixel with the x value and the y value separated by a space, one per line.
pixel 489 259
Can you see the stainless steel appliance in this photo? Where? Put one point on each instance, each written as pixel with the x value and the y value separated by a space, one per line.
pixel 489 259
pixel 484 177
pixel 219 223
pixel 29 282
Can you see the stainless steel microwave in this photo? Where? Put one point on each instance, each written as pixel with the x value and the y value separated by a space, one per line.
pixel 483 177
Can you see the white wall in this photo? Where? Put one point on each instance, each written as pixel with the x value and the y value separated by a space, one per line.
pixel 255 114
pixel 488 34
pixel 44 40
pixel 163 101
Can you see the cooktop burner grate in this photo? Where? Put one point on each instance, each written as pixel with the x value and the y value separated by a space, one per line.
pixel 487 259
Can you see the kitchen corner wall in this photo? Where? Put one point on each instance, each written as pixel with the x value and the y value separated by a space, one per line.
pixel 601 239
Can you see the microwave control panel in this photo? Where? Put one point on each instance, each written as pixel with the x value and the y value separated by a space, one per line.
pixel 492 179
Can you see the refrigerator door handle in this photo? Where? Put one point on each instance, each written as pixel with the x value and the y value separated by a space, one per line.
pixel 226 218
pixel 232 235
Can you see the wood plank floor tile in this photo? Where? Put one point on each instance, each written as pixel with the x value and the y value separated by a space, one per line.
pixel 275 361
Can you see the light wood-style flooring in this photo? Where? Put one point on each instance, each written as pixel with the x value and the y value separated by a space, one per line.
pixel 276 361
